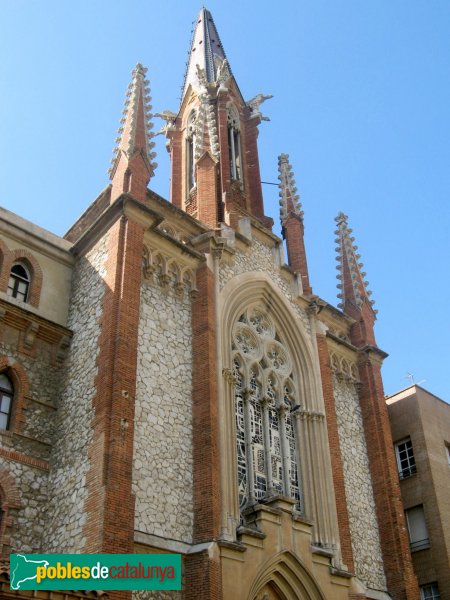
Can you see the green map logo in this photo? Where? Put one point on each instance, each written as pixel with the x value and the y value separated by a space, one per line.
pixel 24 570
pixel 95 571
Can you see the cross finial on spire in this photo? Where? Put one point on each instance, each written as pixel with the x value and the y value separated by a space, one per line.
pixel 352 284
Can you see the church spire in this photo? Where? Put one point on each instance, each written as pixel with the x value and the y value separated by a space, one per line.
pixel 354 291
pixel 212 139
pixel 291 215
pixel 289 199
pixel 132 165
pixel 206 56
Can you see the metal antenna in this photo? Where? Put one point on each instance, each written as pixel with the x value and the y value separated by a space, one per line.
pixel 410 376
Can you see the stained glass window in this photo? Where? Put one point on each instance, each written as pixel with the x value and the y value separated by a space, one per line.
pixel 265 398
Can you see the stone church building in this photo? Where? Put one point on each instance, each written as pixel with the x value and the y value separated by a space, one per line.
pixel 169 382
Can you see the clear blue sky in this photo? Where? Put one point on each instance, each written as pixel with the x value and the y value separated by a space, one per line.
pixel 361 104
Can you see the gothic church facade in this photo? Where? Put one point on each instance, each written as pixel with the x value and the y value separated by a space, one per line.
pixel 169 383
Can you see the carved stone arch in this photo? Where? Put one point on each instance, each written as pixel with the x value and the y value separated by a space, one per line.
pixel 148 262
pixel 284 577
pixel 354 372
pixel 158 267
pixel 254 368
pixel 190 118
pixel 174 271
pixel 188 278
pixel 168 230
pixel 345 367
pixel 271 376
pixel 17 374
pixel 233 117
pixel 256 289
pixel 240 361
pixel 289 391
pixel 25 257
pixel 334 362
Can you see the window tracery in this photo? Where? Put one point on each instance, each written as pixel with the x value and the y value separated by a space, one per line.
pixel 265 398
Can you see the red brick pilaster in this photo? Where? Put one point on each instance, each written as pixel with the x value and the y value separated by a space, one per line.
pixel 401 581
pixel 335 449
pixel 207 200
pixel 294 233
pixel 110 505
pixel 203 576
pixel 252 179
pixel 203 580
pixel 176 168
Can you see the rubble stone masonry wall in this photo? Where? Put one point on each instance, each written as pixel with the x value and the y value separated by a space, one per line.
pixel 358 486
pixel 163 465
pixel 70 462
pixel 33 442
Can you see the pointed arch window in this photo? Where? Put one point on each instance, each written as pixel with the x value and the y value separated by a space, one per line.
pixel 265 399
pixel 19 282
pixel 190 151
pixel 6 400
pixel 234 145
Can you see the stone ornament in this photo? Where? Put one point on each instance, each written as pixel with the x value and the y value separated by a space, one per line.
pixel 137 96
pixel 347 254
pixel 168 273
pixel 289 199
pixel 343 369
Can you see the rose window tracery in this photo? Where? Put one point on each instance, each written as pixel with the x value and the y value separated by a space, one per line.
pixel 265 398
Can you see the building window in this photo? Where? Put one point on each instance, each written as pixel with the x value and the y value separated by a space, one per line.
pixel 19 282
pixel 429 592
pixel 265 399
pixel 234 146
pixel 405 458
pixel 190 152
pixel 6 398
pixel 417 528
pixel 447 451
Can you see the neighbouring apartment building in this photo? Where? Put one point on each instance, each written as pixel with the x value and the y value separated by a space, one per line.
pixel 169 383
pixel 420 425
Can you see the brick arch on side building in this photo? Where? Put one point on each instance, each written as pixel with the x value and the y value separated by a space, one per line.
pixel 10 502
pixel 24 256
pixel 19 379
